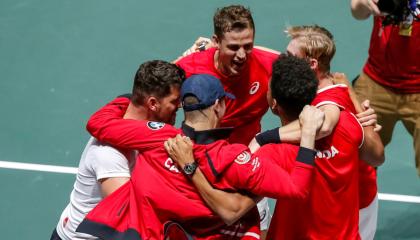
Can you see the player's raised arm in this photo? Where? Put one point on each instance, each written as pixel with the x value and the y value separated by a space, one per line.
pixel 290 164
pixel 362 9
pixel 201 44
pixel 292 133
pixel 108 125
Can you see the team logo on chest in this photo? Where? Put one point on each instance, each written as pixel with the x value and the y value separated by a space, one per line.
pixel 254 87
pixel 328 153
pixel 155 125
pixel 243 158
pixel 170 165
pixel 255 164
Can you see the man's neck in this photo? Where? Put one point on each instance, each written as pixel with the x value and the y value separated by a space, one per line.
pixel 219 66
pixel 284 120
pixel 202 125
pixel 136 112
pixel 216 63
pixel 324 80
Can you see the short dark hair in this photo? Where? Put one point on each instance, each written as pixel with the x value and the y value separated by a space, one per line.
pixel 293 84
pixel 233 17
pixel 155 78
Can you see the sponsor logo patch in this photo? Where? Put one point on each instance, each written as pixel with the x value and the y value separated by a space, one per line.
pixel 263 214
pixel 169 164
pixel 243 158
pixel 155 125
pixel 254 87
pixel 255 163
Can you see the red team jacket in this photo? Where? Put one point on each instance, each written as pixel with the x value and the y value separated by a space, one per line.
pixel 331 209
pixel 250 88
pixel 367 174
pixel 158 192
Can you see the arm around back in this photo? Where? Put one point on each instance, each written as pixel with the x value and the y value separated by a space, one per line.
pixel 229 206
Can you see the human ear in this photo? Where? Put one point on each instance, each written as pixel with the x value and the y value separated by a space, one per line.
pixel 313 63
pixel 274 107
pixel 215 40
pixel 153 104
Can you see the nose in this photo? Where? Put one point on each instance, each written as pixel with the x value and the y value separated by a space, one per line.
pixel 241 54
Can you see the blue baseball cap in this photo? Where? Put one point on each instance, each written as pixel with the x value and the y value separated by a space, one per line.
pixel 206 88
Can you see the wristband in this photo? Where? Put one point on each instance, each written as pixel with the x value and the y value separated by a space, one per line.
pixel 306 155
pixel 269 136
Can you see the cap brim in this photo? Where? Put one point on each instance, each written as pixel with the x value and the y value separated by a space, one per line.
pixel 230 95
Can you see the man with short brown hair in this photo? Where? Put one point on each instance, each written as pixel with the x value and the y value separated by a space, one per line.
pixel 243 70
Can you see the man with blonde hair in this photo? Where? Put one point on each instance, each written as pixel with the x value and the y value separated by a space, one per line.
pixel 316 44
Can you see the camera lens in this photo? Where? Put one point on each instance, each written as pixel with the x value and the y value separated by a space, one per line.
pixel 387 6
pixel 393 7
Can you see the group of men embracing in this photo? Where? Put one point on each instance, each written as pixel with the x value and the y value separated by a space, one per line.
pixel 142 178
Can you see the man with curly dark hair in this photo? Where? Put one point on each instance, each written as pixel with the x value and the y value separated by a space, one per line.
pixel 290 87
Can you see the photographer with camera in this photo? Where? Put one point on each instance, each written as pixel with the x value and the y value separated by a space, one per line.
pixel 390 78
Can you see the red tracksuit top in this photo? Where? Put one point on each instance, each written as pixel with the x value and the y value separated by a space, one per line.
pixel 250 88
pixel 339 95
pixel 331 209
pixel 158 192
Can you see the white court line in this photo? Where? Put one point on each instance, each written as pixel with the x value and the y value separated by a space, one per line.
pixel 38 167
pixel 398 198
pixel 73 170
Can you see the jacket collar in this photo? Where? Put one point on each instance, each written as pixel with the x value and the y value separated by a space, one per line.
pixel 206 136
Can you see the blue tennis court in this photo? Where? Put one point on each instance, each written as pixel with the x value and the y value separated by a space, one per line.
pixel 61 60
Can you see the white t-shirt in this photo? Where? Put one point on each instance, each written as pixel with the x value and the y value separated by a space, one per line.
pixel 98 161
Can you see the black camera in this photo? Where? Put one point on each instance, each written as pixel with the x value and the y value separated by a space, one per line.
pixel 392 7
pixel 395 9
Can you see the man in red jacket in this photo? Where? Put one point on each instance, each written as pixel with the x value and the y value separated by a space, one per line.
pixel 243 70
pixel 317 45
pixel 158 191
pixel 102 168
